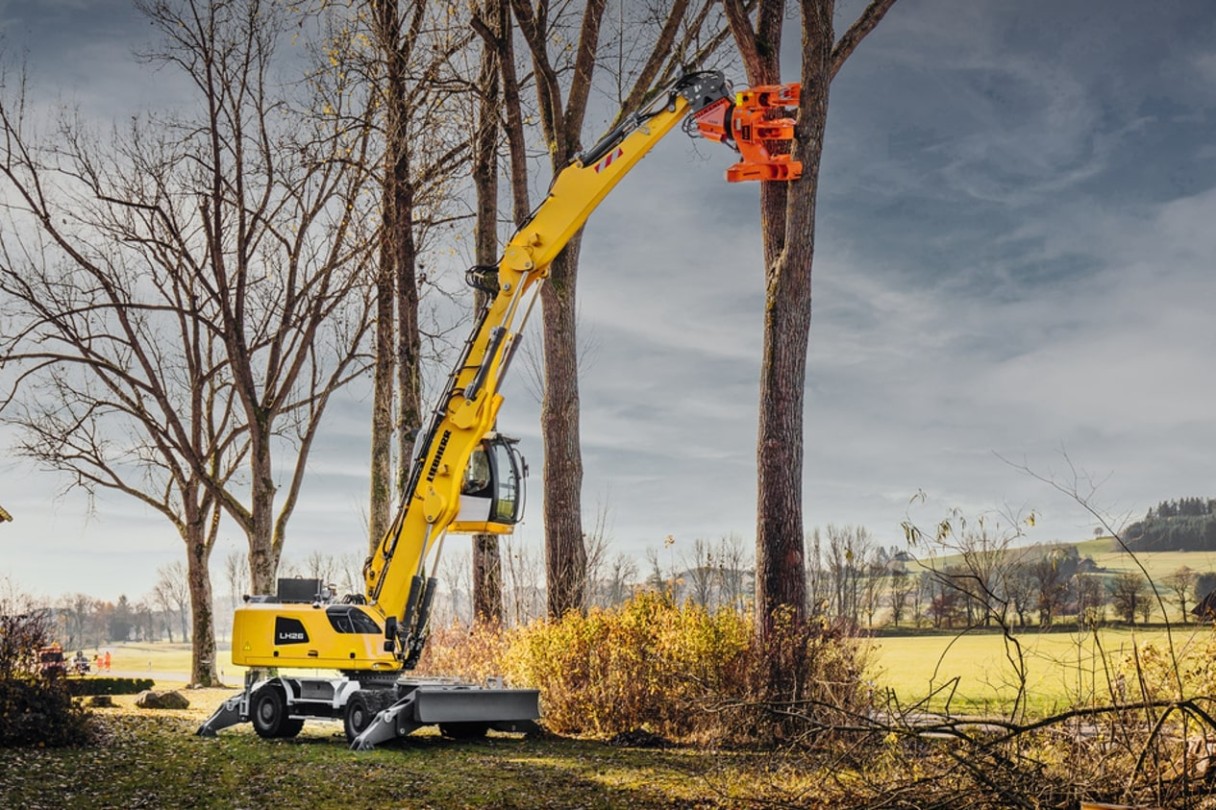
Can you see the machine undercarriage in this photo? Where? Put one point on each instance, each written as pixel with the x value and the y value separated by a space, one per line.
pixel 375 711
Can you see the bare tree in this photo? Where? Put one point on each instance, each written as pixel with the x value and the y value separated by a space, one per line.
pixel 1051 572
pixel 899 594
pixel 172 595
pixel 236 574
pixel 522 585
pixel 733 569
pixel 75 612
pixel 597 543
pixel 200 281
pixel 279 246
pixel 618 583
pixel 350 573
pixel 1020 587
pixel 455 571
pixel 787 221
pixel 145 624
pixel 487 562
pixel 872 590
pixel 422 141
pixel 1181 584
pixel 99 388
pixel 321 566
pixel 944 597
pixel 1129 592
pixel 700 574
pixel 847 557
pixel 984 562
pixel 1091 599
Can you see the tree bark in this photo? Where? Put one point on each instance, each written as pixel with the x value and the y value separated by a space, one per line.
pixel 409 343
pixel 487 580
pixel 487 562
pixel 202 643
pixel 380 505
pixel 565 549
pixel 399 33
pixel 787 214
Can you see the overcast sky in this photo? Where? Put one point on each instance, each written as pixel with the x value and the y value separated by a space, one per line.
pixel 1014 261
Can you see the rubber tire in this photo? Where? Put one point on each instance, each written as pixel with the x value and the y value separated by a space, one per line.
pixel 358 715
pixel 269 715
pixel 464 731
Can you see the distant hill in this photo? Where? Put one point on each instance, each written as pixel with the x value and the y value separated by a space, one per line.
pixel 1187 524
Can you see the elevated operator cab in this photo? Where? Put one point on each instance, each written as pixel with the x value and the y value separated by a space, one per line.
pixel 493 493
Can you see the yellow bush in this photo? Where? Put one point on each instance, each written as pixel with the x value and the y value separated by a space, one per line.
pixel 645 663
pixel 676 670
pixel 1152 673
pixel 473 654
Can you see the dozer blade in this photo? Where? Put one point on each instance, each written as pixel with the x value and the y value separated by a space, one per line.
pixel 500 709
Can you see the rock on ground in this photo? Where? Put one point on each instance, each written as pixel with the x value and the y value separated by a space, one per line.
pixel 150 699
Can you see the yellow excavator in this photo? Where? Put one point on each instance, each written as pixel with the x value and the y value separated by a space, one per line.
pixel 465 477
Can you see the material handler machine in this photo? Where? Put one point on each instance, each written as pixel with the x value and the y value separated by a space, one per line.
pixel 465 477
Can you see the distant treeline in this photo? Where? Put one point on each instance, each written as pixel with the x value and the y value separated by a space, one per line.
pixel 1187 524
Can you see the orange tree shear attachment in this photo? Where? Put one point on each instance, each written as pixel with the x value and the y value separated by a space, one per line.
pixel 746 126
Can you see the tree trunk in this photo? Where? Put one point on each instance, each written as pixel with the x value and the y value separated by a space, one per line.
pixel 788 324
pixel 263 556
pixel 787 212
pixel 487 580
pixel 397 338
pixel 565 550
pixel 561 122
pixel 199 542
pixel 409 371
pixel 382 403
pixel 487 563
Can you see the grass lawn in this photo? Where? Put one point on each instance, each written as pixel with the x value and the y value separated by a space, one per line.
pixel 1062 669
pixel 1160 564
pixel 152 759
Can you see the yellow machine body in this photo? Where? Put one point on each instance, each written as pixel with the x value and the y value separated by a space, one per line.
pixel 335 636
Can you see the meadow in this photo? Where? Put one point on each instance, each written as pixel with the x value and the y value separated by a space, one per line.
pixel 1108 555
pixel 977 672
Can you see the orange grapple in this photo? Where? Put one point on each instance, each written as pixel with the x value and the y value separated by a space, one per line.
pixel 748 125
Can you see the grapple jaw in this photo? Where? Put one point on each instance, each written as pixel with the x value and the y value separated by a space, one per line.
pixel 752 123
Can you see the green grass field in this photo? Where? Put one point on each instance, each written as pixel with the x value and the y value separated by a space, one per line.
pixel 152 759
pixel 977 672
pixel 168 664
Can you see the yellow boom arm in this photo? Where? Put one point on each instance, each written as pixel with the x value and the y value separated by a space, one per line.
pixel 470 406
pixel 398 589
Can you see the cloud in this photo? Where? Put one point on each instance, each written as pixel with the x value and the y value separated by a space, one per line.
pixel 1014 256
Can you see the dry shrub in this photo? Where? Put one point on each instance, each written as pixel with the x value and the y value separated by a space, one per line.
pixel 647 663
pixel 802 684
pixel 34 710
pixel 680 671
pixel 41 713
pixel 1152 672
pixel 474 654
